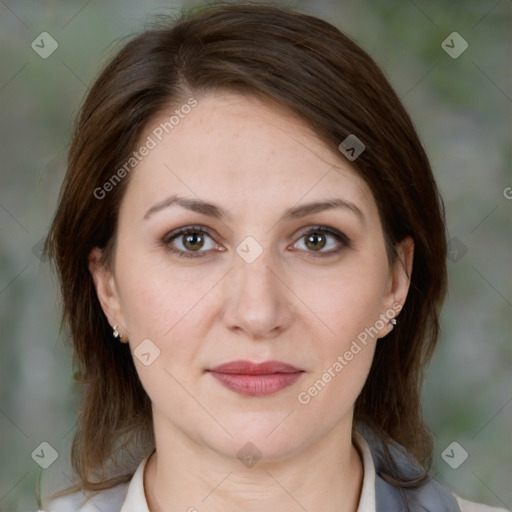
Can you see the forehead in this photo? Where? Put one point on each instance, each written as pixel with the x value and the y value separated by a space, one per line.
pixel 239 148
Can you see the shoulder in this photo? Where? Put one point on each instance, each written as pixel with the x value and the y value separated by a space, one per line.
pixel 436 490
pixel 109 500
pixel 120 498
pixel 471 506
pixel 431 496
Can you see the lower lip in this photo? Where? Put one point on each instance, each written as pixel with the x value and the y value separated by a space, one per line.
pixel 256 385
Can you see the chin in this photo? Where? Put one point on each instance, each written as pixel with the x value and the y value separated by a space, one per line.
pixel 257 436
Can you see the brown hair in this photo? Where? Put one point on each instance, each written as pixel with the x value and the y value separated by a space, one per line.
pixel 314 70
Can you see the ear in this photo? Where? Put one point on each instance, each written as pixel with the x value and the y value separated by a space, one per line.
pixel 399 279
pixel 106 290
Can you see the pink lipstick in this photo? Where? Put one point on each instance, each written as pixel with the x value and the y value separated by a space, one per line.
pixel 256 379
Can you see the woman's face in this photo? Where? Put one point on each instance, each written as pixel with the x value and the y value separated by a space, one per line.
pixel 256 281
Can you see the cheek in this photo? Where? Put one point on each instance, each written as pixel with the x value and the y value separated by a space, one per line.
pixel 343 364
pixel 166 306
pixel 349 303
pixel 156 297
pixel 163 310
pixel 349 300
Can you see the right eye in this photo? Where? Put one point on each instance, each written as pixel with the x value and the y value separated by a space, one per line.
pixel 187 242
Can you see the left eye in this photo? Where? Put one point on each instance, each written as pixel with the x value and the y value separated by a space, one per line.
pixel 317 239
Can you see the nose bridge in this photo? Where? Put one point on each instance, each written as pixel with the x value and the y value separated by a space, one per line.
pixel 252 263
pixel 257 299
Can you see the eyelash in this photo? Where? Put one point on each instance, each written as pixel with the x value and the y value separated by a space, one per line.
pixel 169 237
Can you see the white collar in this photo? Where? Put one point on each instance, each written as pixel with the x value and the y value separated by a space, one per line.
pixel 136 498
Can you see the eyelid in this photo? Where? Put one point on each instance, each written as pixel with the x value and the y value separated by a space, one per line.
pixel 185 229
pixel 321 228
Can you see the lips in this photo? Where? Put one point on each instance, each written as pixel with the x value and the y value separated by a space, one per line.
pixel 256 379
pixel 248 368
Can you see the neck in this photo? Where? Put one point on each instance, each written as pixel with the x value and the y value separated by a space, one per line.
pixel 185 475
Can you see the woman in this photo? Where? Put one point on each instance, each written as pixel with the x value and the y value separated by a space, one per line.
pixel 251 247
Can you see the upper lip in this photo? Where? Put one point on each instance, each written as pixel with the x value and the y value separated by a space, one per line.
pixel 250 368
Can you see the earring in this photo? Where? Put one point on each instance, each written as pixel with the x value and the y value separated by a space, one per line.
pixel 116 332
pixel 393 322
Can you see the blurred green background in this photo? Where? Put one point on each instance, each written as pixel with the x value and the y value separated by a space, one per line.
pixel 462 109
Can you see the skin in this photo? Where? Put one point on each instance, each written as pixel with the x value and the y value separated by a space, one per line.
pixel 254 160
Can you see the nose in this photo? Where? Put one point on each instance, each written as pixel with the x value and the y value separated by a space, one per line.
pixel 257 299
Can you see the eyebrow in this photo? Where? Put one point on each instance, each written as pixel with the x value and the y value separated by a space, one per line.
pixel 217 212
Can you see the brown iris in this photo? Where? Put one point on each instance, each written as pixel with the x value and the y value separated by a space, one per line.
pixel 316 240
pixel 193 241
